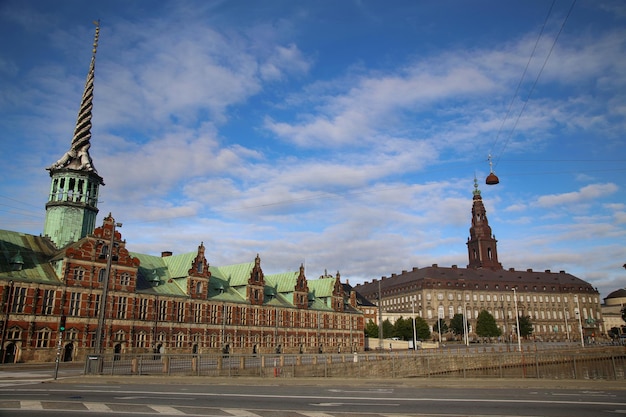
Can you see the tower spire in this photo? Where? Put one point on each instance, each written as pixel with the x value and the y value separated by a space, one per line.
pixel 72 204
pixel 77 157
pixel 481 245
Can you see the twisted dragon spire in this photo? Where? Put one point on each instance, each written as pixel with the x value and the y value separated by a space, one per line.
pixel 77 157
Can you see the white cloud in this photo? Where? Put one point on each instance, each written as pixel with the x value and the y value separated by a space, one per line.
pixel 584 195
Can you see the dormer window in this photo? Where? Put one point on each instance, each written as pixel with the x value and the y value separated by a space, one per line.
pixel 17 262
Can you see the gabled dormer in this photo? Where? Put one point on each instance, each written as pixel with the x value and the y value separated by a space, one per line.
pixel 337 298
pixel 86 260
pixel 301 291
pixel 256 284
pixel 199 275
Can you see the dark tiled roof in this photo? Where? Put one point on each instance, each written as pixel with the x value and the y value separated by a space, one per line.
pixel 477 279
pixel 360 300
pixel 621 293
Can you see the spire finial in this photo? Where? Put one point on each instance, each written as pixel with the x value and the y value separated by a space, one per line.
pixel 476 190
pixel 95 39
pixel 78 157
pixel 492 179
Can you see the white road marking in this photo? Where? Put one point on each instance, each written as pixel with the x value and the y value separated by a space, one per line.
pixel 239 412
pixel 97 407
pixel 165 409
pixel 31 405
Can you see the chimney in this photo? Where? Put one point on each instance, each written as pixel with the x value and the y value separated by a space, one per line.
pixel 166 253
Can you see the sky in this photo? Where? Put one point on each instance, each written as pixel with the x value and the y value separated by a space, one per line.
pixel 342 135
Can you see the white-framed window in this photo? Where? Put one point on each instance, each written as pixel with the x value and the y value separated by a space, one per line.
pixel 19 298
pixel 125 279
pixel 43 338
pixel 74 309
pixel 122 304
pixel 79 273
pixel 143 309
pixel 47 302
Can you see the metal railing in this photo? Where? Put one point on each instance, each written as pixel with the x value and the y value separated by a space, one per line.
pixel 590 363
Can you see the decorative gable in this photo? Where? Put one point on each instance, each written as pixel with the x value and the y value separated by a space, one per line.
pixel 256 284
pixel 338 294
pixel 85 262
pixel 199 275
pixel 301 291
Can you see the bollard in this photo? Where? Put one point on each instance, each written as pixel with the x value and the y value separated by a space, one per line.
pixel 166 364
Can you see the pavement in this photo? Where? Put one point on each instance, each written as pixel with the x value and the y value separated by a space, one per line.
pixel 486 383
pixel 13 375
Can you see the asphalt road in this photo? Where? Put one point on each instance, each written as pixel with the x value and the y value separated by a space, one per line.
pixel 315 397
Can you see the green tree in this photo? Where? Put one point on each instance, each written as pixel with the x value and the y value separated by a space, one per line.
pixel 456 325
pixel 403 328
pixel 387 329
pixel 441 327
pixel 371 329
pixel 422 329
pixel 525 326
pixel 486 325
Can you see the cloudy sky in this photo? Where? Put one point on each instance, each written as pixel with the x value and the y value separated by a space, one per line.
pixel 344 135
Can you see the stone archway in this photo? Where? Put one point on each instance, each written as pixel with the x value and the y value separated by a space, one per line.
pixel 68 352
pixel 10 353
pixel 117 350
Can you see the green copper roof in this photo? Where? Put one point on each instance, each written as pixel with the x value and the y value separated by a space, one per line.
pixel 34 251
pixel 284 282
pixel 237 275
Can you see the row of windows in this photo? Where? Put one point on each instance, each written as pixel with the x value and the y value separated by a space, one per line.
pixel 408 299
pixel 79 273
pixel 88 305
pixel 500 314
pixel 142 339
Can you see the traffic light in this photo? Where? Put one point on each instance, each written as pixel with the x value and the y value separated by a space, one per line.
pixel 62 324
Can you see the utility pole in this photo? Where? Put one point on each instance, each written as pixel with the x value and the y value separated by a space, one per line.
pixel 380 318
pixel 105 290
pixel 519 341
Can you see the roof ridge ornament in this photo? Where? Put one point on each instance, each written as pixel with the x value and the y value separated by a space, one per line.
pixel 492 179
pixel 77 157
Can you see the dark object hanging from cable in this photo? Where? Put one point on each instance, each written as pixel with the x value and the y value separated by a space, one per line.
pixel 492 179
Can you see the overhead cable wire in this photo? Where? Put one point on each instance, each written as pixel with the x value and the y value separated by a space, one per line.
pixel 519 84
pixel 532 89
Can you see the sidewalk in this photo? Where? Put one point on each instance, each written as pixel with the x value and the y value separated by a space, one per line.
pixel 486 383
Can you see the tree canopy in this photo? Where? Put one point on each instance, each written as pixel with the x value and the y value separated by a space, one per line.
pixel 525 326
pixel 486 325
pixel 371 329
pixel 456 325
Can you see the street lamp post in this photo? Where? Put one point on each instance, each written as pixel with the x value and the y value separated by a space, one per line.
pixel 565 313
pixel 465 326
pixel 105 290
pixel 580 323
pixel 414 330
pixel 519 340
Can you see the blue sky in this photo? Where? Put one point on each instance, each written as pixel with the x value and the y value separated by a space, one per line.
pixel 344 135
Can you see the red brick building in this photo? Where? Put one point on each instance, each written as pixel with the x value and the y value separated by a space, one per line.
pixel 78 290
